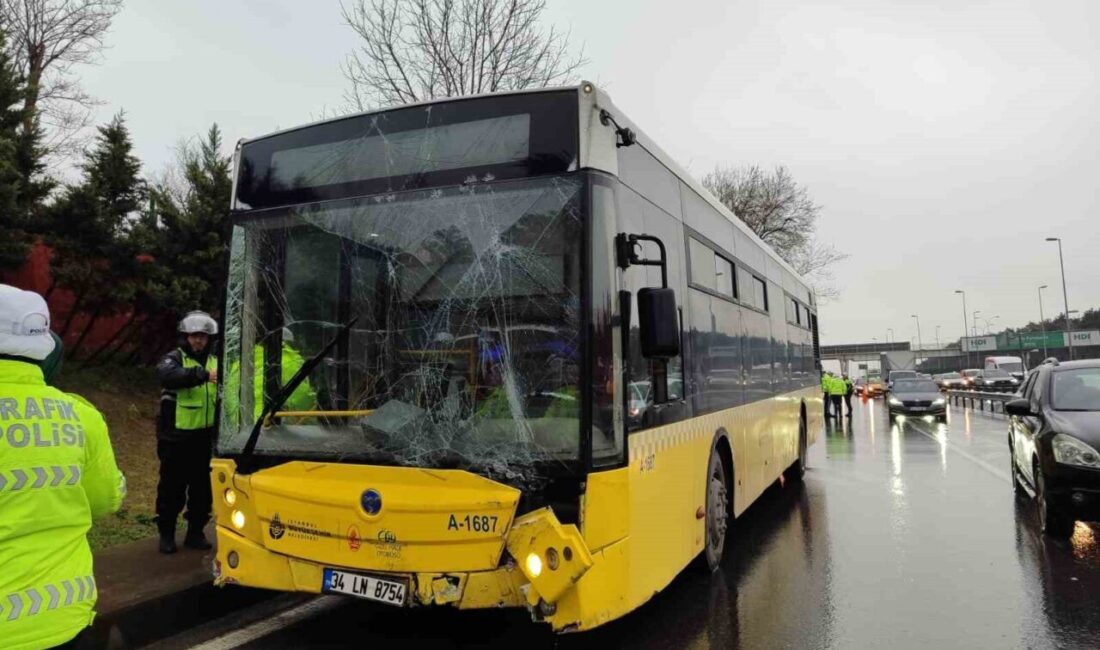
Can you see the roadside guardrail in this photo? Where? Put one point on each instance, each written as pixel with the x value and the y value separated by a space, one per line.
pixel 977 399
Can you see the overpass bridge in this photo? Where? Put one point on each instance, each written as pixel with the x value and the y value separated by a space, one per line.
pixel 901 356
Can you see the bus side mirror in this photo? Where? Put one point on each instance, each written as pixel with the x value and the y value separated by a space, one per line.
pixel 658 323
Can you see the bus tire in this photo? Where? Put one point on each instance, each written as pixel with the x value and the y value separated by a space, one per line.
pixel 717 514
pixel 797 471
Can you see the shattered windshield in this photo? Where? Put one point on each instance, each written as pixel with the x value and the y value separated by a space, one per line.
pixel 466 348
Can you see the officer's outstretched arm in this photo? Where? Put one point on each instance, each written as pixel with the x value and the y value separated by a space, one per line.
pixel 102 481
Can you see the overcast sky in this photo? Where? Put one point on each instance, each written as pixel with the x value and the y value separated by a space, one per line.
pixel 945 139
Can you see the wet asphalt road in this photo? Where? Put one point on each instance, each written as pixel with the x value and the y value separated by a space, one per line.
pixel 903 537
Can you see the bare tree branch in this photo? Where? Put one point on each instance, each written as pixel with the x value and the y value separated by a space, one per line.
pixel 48 39
pixel 780 211
pixel 415 50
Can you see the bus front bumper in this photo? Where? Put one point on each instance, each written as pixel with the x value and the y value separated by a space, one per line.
pixel 551 559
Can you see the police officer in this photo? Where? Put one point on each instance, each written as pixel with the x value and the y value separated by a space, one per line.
pixel 185 434
pixel 836 389
pixel 57 473
pixel 849 389
pixel 825 376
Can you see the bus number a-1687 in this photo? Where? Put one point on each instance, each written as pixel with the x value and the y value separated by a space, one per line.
pixel 475 523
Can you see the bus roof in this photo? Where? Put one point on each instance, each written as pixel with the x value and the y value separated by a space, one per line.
pixel 602 101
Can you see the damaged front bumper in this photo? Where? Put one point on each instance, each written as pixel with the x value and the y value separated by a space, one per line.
pixel 283 530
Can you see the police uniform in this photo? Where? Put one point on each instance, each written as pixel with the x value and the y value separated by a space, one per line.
pixel 836 389
pixel 849 388
pixel 185 436
pixel 57 473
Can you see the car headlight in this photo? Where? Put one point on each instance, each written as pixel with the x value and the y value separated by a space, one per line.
pixel 938 401
pixel 1013 381
pixel 895 401
pixel 1071 451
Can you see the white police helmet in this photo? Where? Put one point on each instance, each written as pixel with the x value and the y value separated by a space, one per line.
pixel 24 324
pixel 198 322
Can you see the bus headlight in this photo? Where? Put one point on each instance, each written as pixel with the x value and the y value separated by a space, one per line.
pixel 534 565
pixel 238 519
pixel 230 497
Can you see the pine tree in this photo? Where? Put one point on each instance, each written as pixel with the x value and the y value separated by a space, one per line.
pixel 14 241
pixel 94 257
pixel 196 226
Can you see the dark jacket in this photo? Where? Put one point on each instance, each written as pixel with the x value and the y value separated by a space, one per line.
pixel 174 376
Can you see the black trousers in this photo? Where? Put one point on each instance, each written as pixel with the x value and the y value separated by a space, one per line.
pixel 848 402
pixel 835 399
pixel 184 480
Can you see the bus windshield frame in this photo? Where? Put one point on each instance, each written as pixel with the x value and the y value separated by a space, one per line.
pixel 473 294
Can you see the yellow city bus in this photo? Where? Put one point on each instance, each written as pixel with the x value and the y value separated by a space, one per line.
pixel 497 351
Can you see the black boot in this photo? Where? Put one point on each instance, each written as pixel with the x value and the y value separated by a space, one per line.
pixel 196 539
pixel 167 542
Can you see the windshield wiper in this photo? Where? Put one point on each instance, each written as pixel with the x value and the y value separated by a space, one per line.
pixel 244 463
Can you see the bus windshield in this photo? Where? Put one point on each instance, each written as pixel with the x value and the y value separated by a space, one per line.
pixel 466 351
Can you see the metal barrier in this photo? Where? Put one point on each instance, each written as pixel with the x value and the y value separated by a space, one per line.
pixel 978 399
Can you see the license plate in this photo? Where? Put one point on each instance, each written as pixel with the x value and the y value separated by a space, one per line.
pixel 390 592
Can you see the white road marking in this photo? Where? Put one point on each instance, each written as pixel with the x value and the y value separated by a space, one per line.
pixel 282 620
pixel 999 473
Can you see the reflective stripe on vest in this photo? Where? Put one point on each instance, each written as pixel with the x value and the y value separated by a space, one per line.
pixel 195 405
pixel 34 478
pixel 46 597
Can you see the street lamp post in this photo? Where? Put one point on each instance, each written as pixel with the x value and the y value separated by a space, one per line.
pixel 966 328
pixel 1065 294
pixel 974 320
pixel 938 338
pixel 889 335
pixel 920 343
pixel 1042 321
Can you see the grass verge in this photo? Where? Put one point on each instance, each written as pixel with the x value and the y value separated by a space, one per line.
pixel 128 399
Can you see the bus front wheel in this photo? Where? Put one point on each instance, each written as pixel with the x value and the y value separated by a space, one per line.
pixel 717 511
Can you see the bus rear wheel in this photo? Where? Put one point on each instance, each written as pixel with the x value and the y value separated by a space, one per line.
pixel 717 511
pixel 798 469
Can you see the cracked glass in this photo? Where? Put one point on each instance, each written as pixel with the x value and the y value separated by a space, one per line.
pixel 466 351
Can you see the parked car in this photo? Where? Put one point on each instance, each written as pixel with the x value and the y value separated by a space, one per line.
pixel 916 397
pixel 896 375
pixel 1053 438
pixel 997 381
pixel 1012 365
pixel 950 381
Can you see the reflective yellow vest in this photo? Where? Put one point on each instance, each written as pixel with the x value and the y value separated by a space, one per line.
pixel 57 473
pixel 302 399
pixel 195 405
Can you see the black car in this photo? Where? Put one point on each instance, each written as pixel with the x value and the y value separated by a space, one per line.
pixel 916 397
pixel 899 375
pixel 1054 435
pixel 996 381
